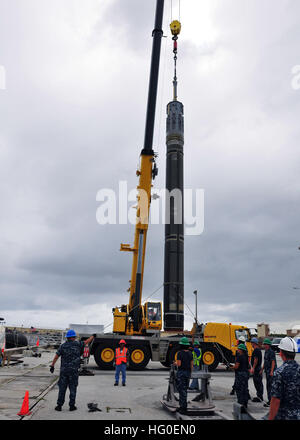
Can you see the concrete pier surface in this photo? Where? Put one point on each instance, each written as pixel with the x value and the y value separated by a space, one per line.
pixel 139 400
pixel 32 375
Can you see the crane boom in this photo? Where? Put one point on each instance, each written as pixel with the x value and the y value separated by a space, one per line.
pixel 146 173
pixel 153 81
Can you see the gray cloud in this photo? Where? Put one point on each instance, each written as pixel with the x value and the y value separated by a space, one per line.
pixel 72 121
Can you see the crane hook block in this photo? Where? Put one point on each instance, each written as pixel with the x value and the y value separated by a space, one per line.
pixel 175 27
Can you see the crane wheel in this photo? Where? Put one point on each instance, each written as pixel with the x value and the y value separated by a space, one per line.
pixel 104 357
pixel 210 357
pixel 166 364
pixel 173 354
pixel 139 357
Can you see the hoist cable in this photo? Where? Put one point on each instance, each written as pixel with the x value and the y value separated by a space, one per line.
pixel 179 10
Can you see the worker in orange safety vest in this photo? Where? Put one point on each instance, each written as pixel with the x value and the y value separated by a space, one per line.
pixel 121 361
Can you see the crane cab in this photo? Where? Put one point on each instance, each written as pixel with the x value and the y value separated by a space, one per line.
pixel 153 315
pixel 150 319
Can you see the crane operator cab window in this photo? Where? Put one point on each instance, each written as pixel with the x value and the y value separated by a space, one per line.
pixel 242 332
pixel 154 311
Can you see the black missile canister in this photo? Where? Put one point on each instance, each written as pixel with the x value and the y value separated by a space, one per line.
pixel 174 228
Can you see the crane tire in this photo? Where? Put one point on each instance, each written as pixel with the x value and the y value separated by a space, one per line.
pixel 139 357
pixel 173 354
pixel 166 364
pixel 104 356
pixel 210 357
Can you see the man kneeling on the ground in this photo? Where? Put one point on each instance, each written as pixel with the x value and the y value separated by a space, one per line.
pixel 70 353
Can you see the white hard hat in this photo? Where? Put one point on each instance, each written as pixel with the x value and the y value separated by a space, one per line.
pixel 242 338
pixel 288 344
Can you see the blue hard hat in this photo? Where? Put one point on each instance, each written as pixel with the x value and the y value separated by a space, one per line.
pixel 255 340
pixel 71 334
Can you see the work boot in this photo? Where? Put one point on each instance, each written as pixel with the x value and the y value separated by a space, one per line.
pixel 58 408
pixel 266 405
pixel 256 399
pixel 124 384
pixel 116 384
pixel 73 408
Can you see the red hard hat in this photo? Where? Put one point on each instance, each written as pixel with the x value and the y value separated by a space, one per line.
pixel 122 341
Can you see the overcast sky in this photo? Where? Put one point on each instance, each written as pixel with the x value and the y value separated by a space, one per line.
pixel 72 122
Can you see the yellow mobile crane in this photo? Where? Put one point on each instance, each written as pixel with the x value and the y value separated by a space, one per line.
pixel 135 318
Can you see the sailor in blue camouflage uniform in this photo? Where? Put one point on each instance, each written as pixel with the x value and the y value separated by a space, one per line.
pixel 70 353
pixel 269 366
pixel 285 391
